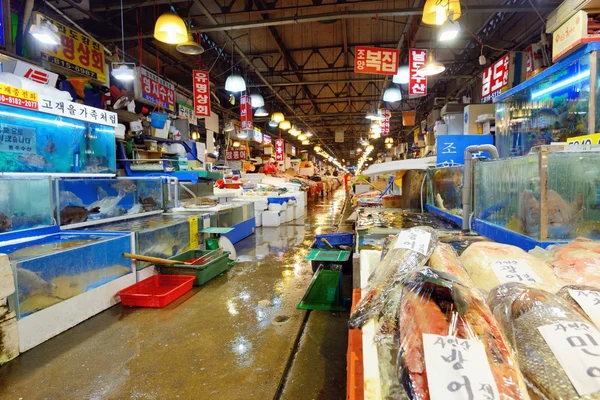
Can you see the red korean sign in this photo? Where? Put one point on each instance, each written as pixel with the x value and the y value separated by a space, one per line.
pixel 246 113
pixel 156 90
pixel 279 150
pixel 375 60
pixel 201 93
pixel 417 83
pixel 235 155
pixel 385 123
pixel 495 79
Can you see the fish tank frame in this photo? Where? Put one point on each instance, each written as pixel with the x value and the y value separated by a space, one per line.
pixel 438 180
pixel 74 307
pixel 554 105
pixel 83 203
pixel 507 193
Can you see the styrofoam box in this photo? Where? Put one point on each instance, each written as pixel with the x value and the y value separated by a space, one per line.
pixel 278 207
pixel 298 212
pixel 271 218
pixel 258 217
pixel 289 213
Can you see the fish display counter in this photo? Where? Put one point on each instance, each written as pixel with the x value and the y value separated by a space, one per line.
pixel 88 201
pixel 65 278
pixel 26 203
pixel 538 199
pixel 444 192
pixel 160 236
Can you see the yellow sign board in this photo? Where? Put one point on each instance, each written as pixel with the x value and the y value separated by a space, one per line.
pixel 77 52
pixel 194 240
pixel 593 139
pixel 18 97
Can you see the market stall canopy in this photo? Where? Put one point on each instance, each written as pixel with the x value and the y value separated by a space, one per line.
pixel 400 165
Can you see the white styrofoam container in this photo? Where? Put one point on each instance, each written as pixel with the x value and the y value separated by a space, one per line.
pixel 258 217
pixel 289 213
pixel 298 212
pixel 278 207
pixel 271 218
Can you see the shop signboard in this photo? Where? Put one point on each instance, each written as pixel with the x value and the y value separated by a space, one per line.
pixel 156 90
pixel 495 79
pixel 31 72
pixel 235 155
pixel 185 111
pixel 375 60
pixel 246 113
pixel 294 150
pixel 201 93
pixel 417 83
pixel 570 35
pixel 257 135
pixel 267 139
pixel 279 150
pixel 593 139
pixel 385 123
pixel 77 52
pixel 451 148
pixel 12 96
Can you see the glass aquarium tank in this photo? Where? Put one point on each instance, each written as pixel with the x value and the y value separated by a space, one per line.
pixel 550 107
pixel 241 212
pixel 160 236
pixel 31 141
pixel 94 199
pixel 509 193
pixel 25 203
pixel 444 189
pixel 56 267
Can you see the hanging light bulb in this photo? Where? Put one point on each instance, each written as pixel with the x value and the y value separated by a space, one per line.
pixel 45 32
pixel 389 145
pixel 370 148
pixel 392 94
pixel 243 134
pixel 277 117
pixel 449 29
pixel 309 134
pixel 436 12
pixel 317 148
pixel 257 100
pixel 285 125
pixel 306 142
pixel 302 137
pixel 293 130
pixel 236 144
pixel 371 115
pixel 431 67
pixel 190 47
pixel 170 28
pixel 229 127
pixel 359 150
pixel 375 128
pixel 261 112
pixel 123 71
pixel 402 76
pixel 273 124
pixel 235 83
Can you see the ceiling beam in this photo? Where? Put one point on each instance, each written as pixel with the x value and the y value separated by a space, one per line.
pixel 325 82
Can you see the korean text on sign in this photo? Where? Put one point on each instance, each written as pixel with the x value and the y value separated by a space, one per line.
pixel 17 139
pixel 157 90
pixel 495 78
pixel 458 369
pixel 246 113
pixel 77 52
pixel 589 301
pixel 514 271
pixel 375 60
pixel 201 93
pixel 279 152
pixel 413 240
pixel 235 155
pixel 385 123
pixel 18 97
pixel 77 111
pixel 417 84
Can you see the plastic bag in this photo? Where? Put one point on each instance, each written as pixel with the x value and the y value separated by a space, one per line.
pixel 491 264
pixel 521 310
pixel 445 259
pixel 409 250
pixel 577 263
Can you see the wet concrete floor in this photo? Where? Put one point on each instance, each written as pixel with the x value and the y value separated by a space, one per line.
pixel 237 337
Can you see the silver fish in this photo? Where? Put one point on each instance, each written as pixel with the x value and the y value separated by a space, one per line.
pixel 33 282
pixel 69 199
pixel 34 161
pixel 124 186
pixel 107 204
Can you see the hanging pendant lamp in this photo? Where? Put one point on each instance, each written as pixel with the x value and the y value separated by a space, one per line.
pixel 257 100
pixel 402 76
pixel 261 112
pixel 170 28
pixel 285 125
pixel 431 67
pixel 235 83
pixel 436 12
pixel 277 117
pixel 190 47
pixel 392 94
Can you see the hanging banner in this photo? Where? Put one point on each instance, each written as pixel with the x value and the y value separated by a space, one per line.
pixel 185 111
pixel 157 91
pixel 246 113
pixel 495 79
pixel 257 135
pixel 385 123
pixel 77 52
pixel 279 150
pixel 375 60
pixel 417 84
pixel 235 155
pixel 201 93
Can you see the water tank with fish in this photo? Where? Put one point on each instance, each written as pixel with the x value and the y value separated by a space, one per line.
pixel 157 236
pixel 444 191
pixel 31 141
pixel 549 107
pixel 53 268
pixel 25 203
pixel 95 199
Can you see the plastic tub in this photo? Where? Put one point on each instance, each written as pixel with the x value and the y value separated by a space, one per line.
pixel 336 239
pixel 203 272
pixel 156 291
pixel 158 120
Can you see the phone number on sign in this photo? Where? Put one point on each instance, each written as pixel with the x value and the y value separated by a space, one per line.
pixel 15 101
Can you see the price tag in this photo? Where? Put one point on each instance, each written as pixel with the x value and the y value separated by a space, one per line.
pixel 457 369
pixel 576 346
pixel 413 240
pixel 589 301
pixel 514 271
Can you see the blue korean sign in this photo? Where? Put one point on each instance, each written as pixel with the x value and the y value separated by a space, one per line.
pixel 451 148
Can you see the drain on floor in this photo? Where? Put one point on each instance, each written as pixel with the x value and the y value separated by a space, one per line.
pixel 280 319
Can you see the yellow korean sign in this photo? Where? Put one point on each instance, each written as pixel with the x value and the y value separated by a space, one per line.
pixel 18 97
pixel 76 52
pixel 593 139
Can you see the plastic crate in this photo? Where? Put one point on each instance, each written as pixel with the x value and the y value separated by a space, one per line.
pixel 156 291
pixel 346 264
pixel 203 272
pixel 335 239
pixel 355 385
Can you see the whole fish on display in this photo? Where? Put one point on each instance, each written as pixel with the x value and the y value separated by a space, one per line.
pixel 5 222
pixel 24 221
pixel 124 186
pixel 107 205
pixel 32 282
pixel 75 214
pixel 34 162
pixel 67 198
pixel 148 203
pixel 49 148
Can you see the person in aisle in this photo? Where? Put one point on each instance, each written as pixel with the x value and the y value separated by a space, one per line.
pixel 346 179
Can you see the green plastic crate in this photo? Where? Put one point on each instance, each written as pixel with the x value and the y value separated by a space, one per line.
pixel 338 256
pixel 324 292
pixel 204 272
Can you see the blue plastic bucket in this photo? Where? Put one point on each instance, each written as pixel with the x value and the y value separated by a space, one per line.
pixel 158 120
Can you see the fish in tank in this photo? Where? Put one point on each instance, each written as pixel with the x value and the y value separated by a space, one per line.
pixel 31 141
pixel 25 203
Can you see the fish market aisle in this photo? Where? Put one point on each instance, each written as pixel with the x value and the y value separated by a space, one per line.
pixel 229 339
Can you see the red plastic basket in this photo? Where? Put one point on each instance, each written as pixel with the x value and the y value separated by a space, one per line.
pixel 156 291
